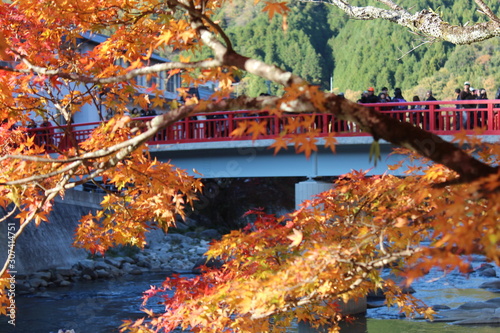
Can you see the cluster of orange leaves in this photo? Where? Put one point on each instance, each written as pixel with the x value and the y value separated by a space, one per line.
pixel 141 191
pixel 297 130
pixel 336 248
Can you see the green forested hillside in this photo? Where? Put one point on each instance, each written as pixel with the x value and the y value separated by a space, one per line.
pixel 380 53
pixel 322 45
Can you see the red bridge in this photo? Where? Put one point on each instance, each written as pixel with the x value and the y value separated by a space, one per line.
pixel 440 117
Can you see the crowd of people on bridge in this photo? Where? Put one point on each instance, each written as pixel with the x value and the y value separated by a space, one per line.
pixel 44 132
pixel 430 116
pixel 474 114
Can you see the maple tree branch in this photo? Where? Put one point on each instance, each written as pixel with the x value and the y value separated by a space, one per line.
pixel 8 214
pixel 228 57
pixel 31 68
pixel 29 219
pixel 402 134
pixel 121 150
pixel 43 176
pixel 425 22
pixel 360 271
pixel 197 12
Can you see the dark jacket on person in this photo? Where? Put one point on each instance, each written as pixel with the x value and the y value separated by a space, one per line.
pixel 467 95
pixel 431 98
pixel 372 99
pixel 398 98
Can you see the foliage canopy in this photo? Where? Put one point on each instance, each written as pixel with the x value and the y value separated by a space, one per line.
pixel 279 268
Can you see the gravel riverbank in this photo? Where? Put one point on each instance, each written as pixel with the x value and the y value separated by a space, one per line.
pixel 166 253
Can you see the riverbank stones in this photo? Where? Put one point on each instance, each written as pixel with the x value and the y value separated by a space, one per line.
pixel 472 313
pixel 168 253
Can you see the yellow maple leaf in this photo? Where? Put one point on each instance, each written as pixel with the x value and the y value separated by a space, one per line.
pixel 187 35
pixel 164 38
pixel 296 238
pixel 184 58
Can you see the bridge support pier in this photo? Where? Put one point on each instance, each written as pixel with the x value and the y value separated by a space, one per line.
pixel 306 190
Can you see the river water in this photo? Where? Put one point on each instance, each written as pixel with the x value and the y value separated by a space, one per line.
pixel 100 306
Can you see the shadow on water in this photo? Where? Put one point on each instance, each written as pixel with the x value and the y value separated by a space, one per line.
pixel 94 307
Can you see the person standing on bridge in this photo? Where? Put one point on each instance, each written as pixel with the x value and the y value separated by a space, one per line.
pixel 468 116
pixel 384 91
pixel 417 117
pixel 398 98
pixel 372 98
pixel 482 113
pixel 438 120
pixel 383 98
pixel 46 132
pixel 363 97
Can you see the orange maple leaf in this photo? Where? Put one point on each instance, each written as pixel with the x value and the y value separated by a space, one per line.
pixel 241 130
pixel 142 100
pixel 3 47
pixel 280 142
pixel 330 141
pixel 305 143
pixel 158 101
pixel 135 64
pixel 256 128
pixel 275 8
pixel 120 123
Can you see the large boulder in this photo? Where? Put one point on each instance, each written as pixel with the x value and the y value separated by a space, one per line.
pixel 494 285
pixel 478 306
pixel 210 234
pixel 212 263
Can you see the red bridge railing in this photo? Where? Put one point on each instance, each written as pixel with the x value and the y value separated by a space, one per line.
pixel 440 117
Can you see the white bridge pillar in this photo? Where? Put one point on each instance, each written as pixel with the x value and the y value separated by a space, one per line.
pixel 306 190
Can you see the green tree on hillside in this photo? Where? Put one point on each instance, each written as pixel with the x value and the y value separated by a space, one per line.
pixel 384 54
pixel 304 37
pixel 409 57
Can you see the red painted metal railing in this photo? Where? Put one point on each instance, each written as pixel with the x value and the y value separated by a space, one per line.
pixel 440 117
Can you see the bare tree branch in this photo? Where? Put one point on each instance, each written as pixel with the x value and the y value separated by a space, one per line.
pixel 487 11
pixel 31 68
pixel 425 22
